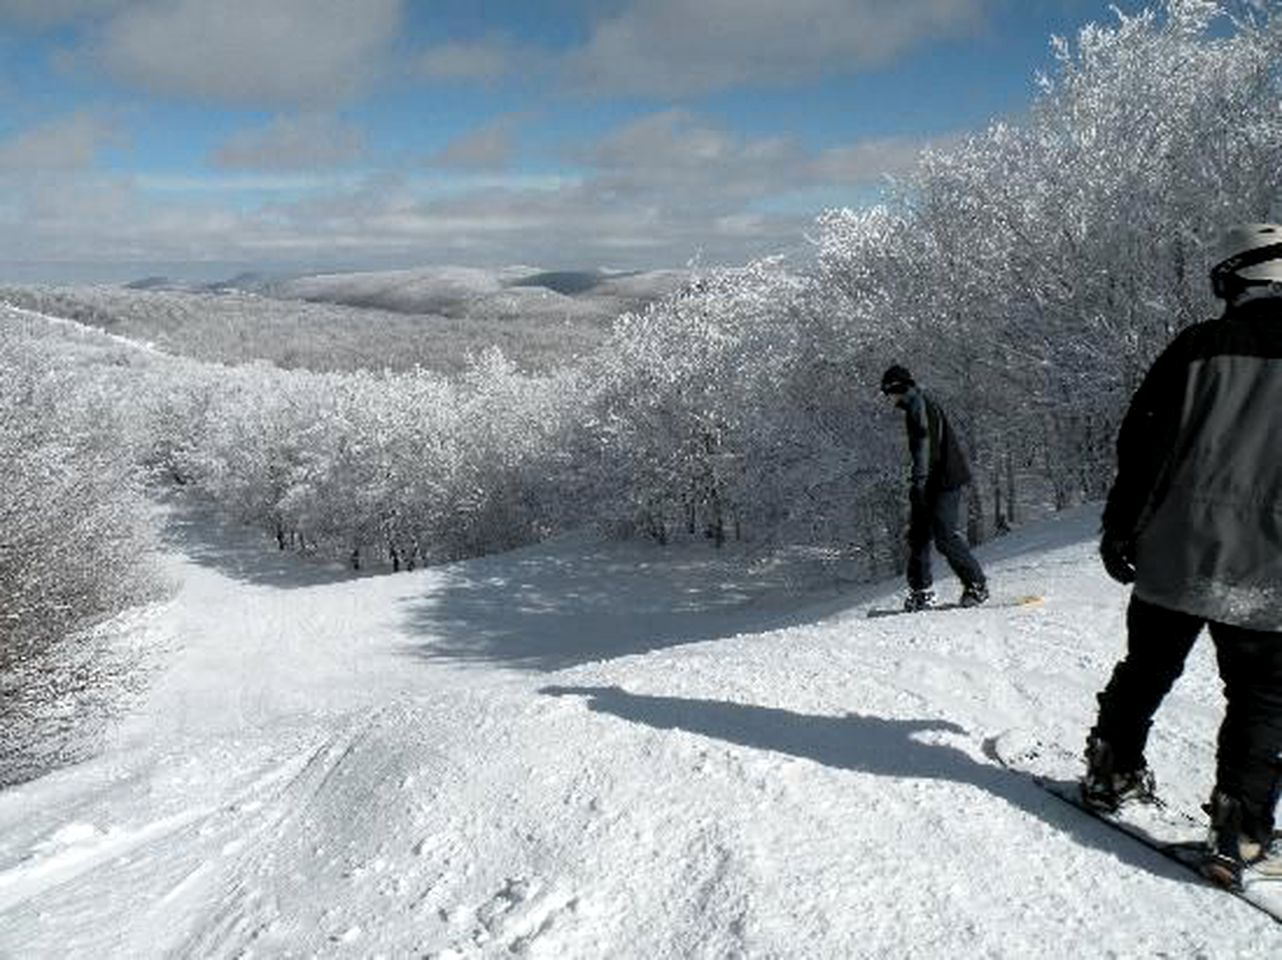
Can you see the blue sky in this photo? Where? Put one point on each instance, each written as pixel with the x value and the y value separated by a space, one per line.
pixel 197 137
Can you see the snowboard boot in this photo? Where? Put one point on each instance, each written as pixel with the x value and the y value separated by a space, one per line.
pixel 919 600
pixel 973 595
pixel 1269 863
pixel 1105 787
pixel 1230 849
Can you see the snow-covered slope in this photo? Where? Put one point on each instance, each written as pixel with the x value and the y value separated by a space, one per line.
pixel 526 293
pixel 581 750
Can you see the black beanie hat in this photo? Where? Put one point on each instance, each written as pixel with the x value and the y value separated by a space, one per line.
pixel 897 379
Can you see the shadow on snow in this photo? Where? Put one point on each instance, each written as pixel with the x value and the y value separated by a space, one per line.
pixel 871 745
pixel 241 552
pixel 547 609
pixel 577 600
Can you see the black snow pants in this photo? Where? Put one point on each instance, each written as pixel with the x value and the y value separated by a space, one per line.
pixel 936 519
pixel 1248 761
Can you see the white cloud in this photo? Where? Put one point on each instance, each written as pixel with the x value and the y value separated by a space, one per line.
pixel 481 60
pixel 871 160
pixel 671 139
pixel 256 182
pixel 654 192
pixel 490 147
pixel 252 51
pixel 46 13
pixel 63 144
pixel 681 161
pixel 673 47
pixel 306 142
pixel 383 221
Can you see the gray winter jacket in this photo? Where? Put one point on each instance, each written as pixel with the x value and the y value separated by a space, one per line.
pixel 1199 483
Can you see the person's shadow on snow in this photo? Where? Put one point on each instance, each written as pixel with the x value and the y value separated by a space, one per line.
pixel 867 744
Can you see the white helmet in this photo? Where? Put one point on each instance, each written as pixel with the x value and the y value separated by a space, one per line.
pixel 1251 253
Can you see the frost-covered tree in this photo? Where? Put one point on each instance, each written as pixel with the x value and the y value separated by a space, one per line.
pixel 75 550
pixel 1036 269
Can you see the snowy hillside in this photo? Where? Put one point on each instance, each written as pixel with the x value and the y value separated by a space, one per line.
pixel 581 750
pixel 514 292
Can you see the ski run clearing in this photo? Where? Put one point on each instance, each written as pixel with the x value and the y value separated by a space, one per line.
pixel 609 750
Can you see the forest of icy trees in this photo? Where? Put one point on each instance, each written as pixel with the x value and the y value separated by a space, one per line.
pixel 1027 276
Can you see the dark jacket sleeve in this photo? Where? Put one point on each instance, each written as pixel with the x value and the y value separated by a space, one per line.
pixel 1146 438
pixel 918 423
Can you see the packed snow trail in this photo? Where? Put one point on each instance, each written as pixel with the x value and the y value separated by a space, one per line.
pixel 586 750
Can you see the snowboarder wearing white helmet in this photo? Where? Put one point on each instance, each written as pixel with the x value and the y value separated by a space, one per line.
pixel 1194 521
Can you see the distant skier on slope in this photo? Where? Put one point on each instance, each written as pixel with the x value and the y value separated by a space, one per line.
pixel 939 471
pixel 1194 520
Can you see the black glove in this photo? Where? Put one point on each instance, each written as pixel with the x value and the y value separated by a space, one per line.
pixel 1118 554
pixel 919 519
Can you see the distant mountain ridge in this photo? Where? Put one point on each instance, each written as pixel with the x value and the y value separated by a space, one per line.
pixel 437 318
pixel 467 291
pixel 457 292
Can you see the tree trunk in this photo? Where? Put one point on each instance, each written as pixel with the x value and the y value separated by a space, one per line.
pixel 1000 524
pixel 974 515
pixel 1012 508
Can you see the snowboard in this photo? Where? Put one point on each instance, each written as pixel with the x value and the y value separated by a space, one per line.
pixel 1032 600
pixel 1175 834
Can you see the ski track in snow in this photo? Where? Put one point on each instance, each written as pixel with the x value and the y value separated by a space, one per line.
pixel 82 329
pixel 579 750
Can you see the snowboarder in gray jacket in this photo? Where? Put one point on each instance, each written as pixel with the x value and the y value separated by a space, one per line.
pixel 1194 521
pixel 939 472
